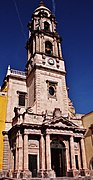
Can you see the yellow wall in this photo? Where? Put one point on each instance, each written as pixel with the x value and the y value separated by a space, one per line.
pixel 87 121
pixel 3 102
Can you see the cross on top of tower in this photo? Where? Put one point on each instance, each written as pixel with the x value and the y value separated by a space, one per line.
pixel 41 3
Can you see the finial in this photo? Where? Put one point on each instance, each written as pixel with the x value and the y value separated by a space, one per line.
pixel 41 3
pixel 9 67
pixel 8 70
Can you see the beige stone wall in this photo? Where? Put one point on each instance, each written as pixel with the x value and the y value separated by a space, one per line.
pixel 14 85
pixel 43 101
pixel 31 90
pixel 87 121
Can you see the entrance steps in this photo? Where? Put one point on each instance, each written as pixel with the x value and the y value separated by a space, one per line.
pixel 58 178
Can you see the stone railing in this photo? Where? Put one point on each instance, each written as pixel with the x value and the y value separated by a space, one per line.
pixel 17 72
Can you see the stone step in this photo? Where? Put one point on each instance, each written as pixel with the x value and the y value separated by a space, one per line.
pixel 58 178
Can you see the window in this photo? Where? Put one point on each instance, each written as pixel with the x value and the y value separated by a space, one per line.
pixel 51 90
pixel 46 26
pixel 43 14
pixel 76 159
pixel 51 87
pixel 21 98
pixel 48 48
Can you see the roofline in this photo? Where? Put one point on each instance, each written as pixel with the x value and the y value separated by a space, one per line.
pixel 87 114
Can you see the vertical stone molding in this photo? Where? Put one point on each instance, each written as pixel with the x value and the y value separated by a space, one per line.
pixel 43 44
pixel 40 45
pixel 67 158
pixel 25 152
pixel 16 167
pixel 55 48
pixel 6 153
pixel 20 153
pixel 37 44
pixel 11 161
pixel 48 152
pixel 42 155
pixel 72 152
pixel 60 52
pixel 83 154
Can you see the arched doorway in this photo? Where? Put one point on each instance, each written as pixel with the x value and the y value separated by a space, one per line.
pixel 58 158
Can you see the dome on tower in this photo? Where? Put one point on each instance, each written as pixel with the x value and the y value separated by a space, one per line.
pixel 41 8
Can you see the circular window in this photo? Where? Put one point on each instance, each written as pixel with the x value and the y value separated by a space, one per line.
pixel 51 91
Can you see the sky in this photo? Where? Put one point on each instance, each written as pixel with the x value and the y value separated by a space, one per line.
pixel 75 26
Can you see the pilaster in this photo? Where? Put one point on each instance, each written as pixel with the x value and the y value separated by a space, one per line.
pixel 48 172
pixel 20 153
pixel 67 157
pixel 72 152
pixel 42 153
pixel 60 51
pixel 25 152
pixel 42 157
pixel 26 173
pixel 72 171
pixel 48 153
pixel 6 154
pixel 84 170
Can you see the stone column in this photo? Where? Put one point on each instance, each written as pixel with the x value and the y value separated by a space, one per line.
pixel 25 152
pixel 17 155
pixel 43 44
pixel 52 26
pixel 37 43
pixel 11 161
pixel 60 51
pixel 72 153
pixel 55 48
pixel 48 152
pixel 42 155
pixel 20 153
pixel 83 154
pixel 6 153
pixel 33 46
pixel 40 45
pixel 67 157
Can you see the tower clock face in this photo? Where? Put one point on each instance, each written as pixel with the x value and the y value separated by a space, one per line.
pixel 51 61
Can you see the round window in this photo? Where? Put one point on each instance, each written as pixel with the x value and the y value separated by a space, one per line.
pixel 51 91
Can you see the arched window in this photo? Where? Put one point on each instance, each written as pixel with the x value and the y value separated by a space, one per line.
pixel 46 26
pixel 45 14
pixel 48 48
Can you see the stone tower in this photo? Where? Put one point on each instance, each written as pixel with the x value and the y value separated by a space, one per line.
pixel 45 65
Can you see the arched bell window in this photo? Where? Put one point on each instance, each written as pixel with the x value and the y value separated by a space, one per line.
pixel 48 48
pixel 46 26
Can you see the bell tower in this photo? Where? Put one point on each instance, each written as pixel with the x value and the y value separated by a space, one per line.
pixel 45 65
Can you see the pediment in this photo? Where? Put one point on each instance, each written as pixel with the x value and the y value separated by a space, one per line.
pixel 60 122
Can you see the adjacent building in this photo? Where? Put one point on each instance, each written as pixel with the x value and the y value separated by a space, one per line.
pixel 3 105
pixel 88 124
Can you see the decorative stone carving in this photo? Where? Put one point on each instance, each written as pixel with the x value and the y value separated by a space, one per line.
pixel 33 144
pixel 57 112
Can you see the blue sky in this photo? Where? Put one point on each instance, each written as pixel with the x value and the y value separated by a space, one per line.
pixel 75 26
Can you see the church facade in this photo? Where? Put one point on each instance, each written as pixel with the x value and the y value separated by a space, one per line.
pixel 46 137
